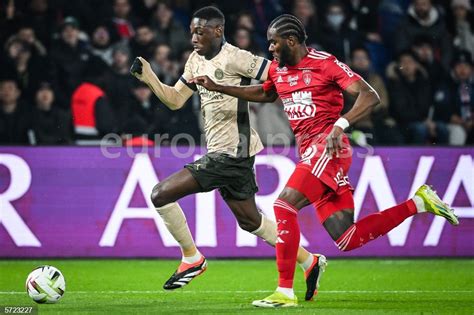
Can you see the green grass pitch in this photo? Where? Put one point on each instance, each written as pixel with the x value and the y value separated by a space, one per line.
pixel 436 286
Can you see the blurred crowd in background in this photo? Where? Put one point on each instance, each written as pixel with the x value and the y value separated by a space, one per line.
pixel 64 67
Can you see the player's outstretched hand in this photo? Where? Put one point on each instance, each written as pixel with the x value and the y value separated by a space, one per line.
pixel 141 69
pixel 204 81
pixel 334 141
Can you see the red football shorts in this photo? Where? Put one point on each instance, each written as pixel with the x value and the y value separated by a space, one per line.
pixel 323 180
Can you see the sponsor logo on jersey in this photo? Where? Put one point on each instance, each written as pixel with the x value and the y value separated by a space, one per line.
pixel 300 106
pixel 284 69
pixel 210 95
pixel 293 80
pixel 344 67
pixel 279 80
pixel 307 78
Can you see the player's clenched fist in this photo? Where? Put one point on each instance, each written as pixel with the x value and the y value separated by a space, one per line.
pixel 141 69
pixel 204 81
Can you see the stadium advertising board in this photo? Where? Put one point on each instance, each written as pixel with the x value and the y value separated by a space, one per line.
pixel 87 202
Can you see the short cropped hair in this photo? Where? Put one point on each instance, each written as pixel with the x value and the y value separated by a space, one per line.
pixel 209 13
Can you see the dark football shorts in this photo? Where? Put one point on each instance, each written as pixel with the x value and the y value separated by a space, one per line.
pixel 234 177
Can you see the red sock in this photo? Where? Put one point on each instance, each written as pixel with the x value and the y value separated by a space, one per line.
pixel 375 225
pixel 287 242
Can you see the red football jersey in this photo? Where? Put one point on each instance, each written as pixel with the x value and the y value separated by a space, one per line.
pixel 311 92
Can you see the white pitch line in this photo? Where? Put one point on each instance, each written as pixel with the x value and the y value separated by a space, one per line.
pixel 247 292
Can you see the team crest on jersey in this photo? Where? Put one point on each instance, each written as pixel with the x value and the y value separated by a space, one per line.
pixel 300 106
pixel 307 78
pixel 219 74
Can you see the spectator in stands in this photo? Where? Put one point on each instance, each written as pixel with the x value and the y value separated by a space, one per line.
pixel 390 14
pixel 70 56
pixel 169 30
pixel 42 18
pixel 27 34
pixel 153 116
pixel 462 25
pixel 88 12
pixel 423 48
pixel 157 119
pixel 363 17
pixel 163 66
pixel 10 18
pixel 243 39
pixel 122 24
pixel 26 68
pixel 305 10
pixel 424 19
pixel 440 80
pixel 101 44
pixel 144 42
pixel 119 82
pixel 263 12
pixel 245 20
pixel 145 8
pixel 50 124
pixel 14 120
pixel 335 36
pixel 411 101
pixel 92 115
pixel 379 125
pixel 463 95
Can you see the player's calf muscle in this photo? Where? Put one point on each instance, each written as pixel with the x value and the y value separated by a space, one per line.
pixel 246 213
pixel 338 223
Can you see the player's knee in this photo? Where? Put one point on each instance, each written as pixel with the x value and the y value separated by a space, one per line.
pixel 158 196
pixel 249 225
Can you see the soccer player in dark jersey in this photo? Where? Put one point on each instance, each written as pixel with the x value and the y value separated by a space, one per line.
pixel 310 84
pixel 231 143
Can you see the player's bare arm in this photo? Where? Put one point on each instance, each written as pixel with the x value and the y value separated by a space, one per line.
pixel 174 97
pixel 252 93
pixel 367 99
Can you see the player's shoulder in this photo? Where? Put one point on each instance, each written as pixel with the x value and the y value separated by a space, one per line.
pixel 319 56
pixel 231 52
pixel 235 54
pixel 229 48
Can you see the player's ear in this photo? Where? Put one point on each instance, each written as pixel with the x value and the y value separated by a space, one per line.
pixel 291 41
pixel 219 31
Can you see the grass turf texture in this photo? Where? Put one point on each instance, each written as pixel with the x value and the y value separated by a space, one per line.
pixel 229 286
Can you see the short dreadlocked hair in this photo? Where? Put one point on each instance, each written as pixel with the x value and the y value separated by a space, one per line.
pixel 289 25
pixel 209 13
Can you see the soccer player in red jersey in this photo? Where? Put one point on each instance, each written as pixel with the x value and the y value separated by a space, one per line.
pixel 310 84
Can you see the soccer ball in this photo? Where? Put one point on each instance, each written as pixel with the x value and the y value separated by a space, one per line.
pixel 45 284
